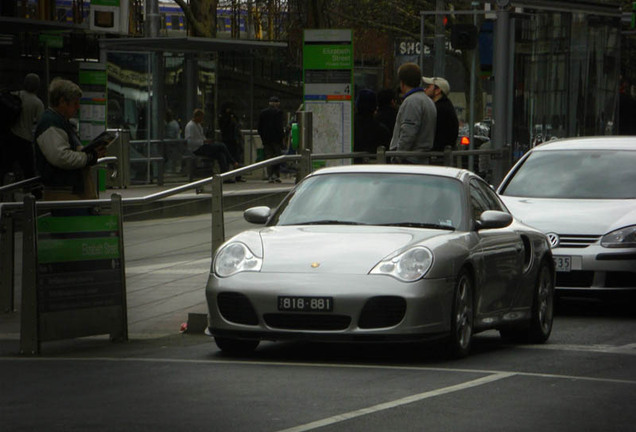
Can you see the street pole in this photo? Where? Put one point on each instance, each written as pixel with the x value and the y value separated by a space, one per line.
pixel 440 38
pixel 502 85
pixel 473 84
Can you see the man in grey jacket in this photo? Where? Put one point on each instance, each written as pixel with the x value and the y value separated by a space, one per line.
pixel 416 119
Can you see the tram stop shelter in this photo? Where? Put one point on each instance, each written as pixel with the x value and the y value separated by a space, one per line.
pixel 148 76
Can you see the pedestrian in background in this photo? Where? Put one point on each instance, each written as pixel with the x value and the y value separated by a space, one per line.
pixel 447 128
pixel 387 108
pixel 271 129
pixel 231 134
pixel 175 150
pixel 19 149
pixel 62 165
pixel 416 118
pixel 626 109
pixel 199 145
pixel 368 132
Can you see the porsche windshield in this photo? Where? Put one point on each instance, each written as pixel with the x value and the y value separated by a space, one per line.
pixel 585 174
pixel 374 199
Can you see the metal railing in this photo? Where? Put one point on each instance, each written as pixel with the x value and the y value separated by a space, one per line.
pixel 12 212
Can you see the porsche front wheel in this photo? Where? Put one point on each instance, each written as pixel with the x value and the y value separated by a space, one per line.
pixel 462 317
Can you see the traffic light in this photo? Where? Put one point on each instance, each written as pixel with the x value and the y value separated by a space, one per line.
pixel 464 36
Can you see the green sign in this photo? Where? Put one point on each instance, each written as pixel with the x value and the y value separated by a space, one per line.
pixel 77 238
pixel 51 40
pixel 73 224
pixel 328 56
pixel 79 262
pixel 57 251
pixel 87 76
pixel 114 3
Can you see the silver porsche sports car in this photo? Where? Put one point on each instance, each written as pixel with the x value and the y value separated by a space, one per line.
pixel 581 192
pixel 382 253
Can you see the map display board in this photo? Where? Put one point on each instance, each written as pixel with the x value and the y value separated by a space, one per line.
pixel 92 112
pixel 328 88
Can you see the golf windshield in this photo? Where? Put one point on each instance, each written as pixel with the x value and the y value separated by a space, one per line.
pixel 606 174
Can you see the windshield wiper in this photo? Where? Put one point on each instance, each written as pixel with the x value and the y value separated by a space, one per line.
pixel 420 225
pixel 330 222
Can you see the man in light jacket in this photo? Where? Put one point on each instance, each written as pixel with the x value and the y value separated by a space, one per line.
pixel 415 123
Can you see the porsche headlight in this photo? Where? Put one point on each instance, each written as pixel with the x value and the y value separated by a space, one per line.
pixel 621 238
pixel 235 258
pixel 408 266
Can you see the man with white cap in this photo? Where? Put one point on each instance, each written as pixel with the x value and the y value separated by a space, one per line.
pixel 447 128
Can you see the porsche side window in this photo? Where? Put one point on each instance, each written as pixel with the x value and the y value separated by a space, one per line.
pixel 477 202
pixel 489 196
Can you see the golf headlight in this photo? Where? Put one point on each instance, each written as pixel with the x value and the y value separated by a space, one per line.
pixel 235 258
pixel 621 238
pixel 409 266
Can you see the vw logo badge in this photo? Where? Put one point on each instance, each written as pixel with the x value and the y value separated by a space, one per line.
pixel 554 239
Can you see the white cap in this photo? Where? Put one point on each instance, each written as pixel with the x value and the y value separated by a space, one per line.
pixel 438 82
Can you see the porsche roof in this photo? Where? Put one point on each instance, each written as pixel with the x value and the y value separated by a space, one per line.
pixel 396 169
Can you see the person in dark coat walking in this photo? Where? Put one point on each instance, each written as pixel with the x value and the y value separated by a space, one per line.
pixel 447 128
pixel 272 131
pixel 387 108
pixel 368 132
pixel 231 134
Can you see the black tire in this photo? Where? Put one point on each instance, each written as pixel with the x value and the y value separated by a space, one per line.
pixel 462 317
pixel 542 306
pixel 539 327
pixel 236 346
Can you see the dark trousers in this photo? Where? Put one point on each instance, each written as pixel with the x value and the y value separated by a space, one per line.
pixel 16 150
pixel 217 151
pixel 272 150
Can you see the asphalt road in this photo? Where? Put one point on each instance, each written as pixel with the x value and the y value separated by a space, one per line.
pixel 584 379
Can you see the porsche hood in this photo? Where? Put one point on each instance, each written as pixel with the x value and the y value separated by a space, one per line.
pixel 330 249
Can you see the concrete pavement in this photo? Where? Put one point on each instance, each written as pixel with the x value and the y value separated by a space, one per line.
pixel 167 258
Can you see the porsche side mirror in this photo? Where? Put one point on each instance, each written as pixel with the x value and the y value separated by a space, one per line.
pixel 493 219
pixel 257 215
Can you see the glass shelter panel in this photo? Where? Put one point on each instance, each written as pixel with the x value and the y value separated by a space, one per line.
pixel 565 77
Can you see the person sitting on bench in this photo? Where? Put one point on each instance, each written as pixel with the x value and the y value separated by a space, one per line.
pixel 199 145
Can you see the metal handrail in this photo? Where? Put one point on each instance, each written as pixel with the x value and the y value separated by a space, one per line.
pixel 22 184
pixel 9 210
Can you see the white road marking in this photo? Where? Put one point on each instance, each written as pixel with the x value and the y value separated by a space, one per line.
pixel 629 349
pixel 398 402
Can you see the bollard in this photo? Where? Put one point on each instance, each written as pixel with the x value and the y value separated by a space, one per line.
pixel 304 167
pixel 7 247
pixel 218 223
pixel 305 126
pixel 29 331
pixel 448 156
pixel 381 155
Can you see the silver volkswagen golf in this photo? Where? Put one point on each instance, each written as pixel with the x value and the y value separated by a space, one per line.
pixel 581 192
pixel 375 253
